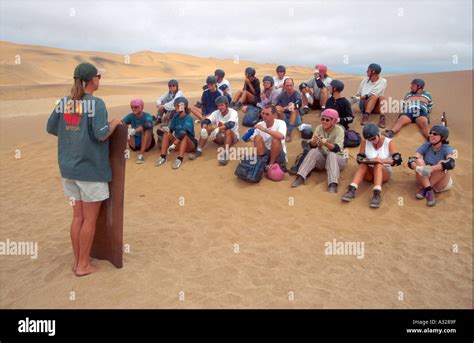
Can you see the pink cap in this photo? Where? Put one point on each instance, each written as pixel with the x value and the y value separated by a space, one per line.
pixel 331 114
pixel 321 69
pixel 137 102
pixel 275 173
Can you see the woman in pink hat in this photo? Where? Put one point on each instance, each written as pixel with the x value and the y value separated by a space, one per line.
pixel 325 151
pixel 316 91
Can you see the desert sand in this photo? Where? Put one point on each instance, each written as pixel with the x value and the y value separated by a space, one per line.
pixel 232 244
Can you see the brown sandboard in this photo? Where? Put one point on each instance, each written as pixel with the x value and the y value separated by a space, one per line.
pixel 108 239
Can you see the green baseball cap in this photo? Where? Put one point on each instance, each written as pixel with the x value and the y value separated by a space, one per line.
pixel 85 71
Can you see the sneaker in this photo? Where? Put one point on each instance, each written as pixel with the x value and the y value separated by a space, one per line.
pixel 421 194
pixel 237 106
pixel 350 194
pixel 165 128
pixel 365 119
pixel 376 198
pixel 176 164
pixel 140 159
pixel 354 99
pixel 381 123
pixel 305 109
pixel 195 154
pixel 430 198
pixel 232 104
pixel 389 133
pixel 197 121
pixel 214 133
pixel 298 181
pixel 223 161
pixel 160 161
pixel 332 188
pixel 204 134
pixel 288 138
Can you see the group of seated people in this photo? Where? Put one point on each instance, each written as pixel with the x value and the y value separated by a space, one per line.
pixel 276 110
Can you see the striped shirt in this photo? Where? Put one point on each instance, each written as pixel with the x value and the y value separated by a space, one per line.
pixel 419 103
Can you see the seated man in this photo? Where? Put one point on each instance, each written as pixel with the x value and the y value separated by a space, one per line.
pixel 280 78
pixel 417 105
pixel 269 96
pixel 221 126
pixel 288 104
pixel 222 84
pixel 339 103
pixel 180 136
pixel 370 95
pixel 165 103
pixel 140 134
pixel 268 137
pixel 250 93
pixel 208 99
pixel 315 91
pixel 326 153
pixel 433 162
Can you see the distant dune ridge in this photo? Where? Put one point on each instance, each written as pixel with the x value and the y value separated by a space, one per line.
pixel 425 253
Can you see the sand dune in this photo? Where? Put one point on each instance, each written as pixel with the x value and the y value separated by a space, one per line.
pixel 280 232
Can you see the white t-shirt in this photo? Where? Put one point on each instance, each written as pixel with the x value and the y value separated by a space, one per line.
pixel 225 82
pixel 368 87
pixel 279 126
pixel 383 152
pixel 216 117
pixel 278 83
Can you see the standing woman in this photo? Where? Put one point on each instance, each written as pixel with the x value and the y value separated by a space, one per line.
pixel 80 123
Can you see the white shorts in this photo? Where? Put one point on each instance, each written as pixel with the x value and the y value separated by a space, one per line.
pixel 448 186
pixel 85 190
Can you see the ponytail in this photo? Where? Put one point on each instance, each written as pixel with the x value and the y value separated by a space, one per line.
pixel 77 90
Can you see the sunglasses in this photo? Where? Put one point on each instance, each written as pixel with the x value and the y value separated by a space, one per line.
pixel 98 76
pixel 434 133
pixel 135 107
pixel 372 138
pixel 326 120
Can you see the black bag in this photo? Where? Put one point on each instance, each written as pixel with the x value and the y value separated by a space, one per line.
pixel 251 172
pixel 299 159
pixel 352 139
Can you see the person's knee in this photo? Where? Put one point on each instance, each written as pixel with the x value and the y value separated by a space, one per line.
pixel 422 122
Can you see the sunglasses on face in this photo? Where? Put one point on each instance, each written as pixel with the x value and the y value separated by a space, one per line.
pixel 434 133
pixel 326 120
pixel 98 76
pixel 372 138
pixel 135 107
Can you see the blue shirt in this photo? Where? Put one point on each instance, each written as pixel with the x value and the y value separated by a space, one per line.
pixel 283 99
pixel 208 101
pixel 432 157
pixel 185 123
pixel 145 121
pixel 82 155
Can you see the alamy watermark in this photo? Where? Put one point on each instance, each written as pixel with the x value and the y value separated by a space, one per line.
pixel 15 248
pixel 345 248
pixel 76 106
pixel 238 153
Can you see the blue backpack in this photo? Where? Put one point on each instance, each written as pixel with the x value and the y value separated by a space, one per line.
pixel 250 119
pixel 251 172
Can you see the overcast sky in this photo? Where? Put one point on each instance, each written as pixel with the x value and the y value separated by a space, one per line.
pixel 402 36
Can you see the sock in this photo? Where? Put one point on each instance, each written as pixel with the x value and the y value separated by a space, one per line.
pixel 180 158
pixel 429 188
pixel 377 188
pixel 163 155
pixel 354 185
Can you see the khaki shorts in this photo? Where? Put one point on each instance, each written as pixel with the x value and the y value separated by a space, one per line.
pixel 85 190
pixel 448 186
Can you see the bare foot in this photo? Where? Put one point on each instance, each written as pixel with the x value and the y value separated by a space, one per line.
pixel 74 267
pixel 85 271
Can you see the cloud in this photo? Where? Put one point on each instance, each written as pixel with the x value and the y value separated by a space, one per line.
pixel 412 36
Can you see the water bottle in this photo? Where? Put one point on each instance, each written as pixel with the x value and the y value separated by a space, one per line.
pixel 444 121
pixel 248 134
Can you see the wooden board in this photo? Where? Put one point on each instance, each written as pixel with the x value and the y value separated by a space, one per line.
pixel 108 239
